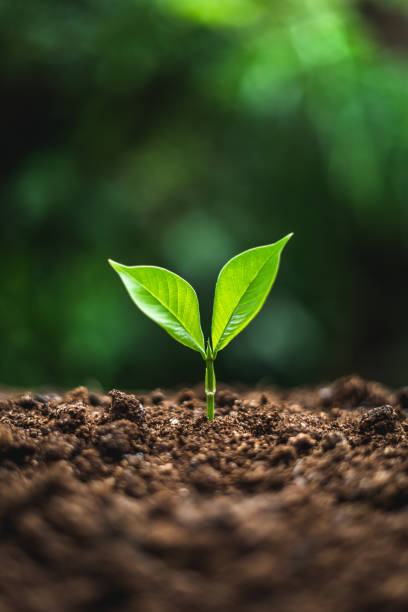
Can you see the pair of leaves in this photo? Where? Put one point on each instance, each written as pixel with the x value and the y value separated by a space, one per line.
pixel 241 290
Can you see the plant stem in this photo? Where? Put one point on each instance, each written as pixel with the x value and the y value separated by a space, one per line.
pixel 210 387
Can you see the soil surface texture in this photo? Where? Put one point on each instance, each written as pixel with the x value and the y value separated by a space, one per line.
pixel 290 501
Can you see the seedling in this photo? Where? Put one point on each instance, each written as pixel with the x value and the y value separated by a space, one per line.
pixel 241 290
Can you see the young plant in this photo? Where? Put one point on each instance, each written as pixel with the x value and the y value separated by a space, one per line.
pixel 241 290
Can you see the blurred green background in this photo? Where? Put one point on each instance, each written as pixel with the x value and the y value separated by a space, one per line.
pixel 178 133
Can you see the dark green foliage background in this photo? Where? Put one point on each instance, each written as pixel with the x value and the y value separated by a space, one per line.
pixel 178 133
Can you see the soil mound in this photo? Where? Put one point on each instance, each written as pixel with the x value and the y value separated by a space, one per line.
pixel 288 501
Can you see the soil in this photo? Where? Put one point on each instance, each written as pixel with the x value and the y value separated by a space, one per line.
pixel 291 501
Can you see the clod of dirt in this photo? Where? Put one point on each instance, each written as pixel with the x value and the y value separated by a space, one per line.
pixel 302 442
pixel 27 401
pixel 226 397
pixel 114 440
pixel 379 420
pixel 68 417
pixel 6 438
pixel 186 397
pixel 353 391
pixel 331 439
pixel 16 446
pixel 78 394
pixel 125 406
pixel 282 454
pixel 402 398
pixel 95 399
pixel 157 397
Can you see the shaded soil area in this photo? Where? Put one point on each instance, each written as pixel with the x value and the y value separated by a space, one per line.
pixel 289 501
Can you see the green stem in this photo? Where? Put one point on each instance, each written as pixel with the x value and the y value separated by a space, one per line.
pixel 210 387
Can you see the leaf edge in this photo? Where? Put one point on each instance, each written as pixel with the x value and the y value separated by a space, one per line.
pixel 200 349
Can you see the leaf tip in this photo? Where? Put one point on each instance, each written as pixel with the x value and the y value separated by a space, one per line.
pixel 115 265
pixel 283 241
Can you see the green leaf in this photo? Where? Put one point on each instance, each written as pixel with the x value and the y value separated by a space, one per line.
pixel 242 288
pixel 167 299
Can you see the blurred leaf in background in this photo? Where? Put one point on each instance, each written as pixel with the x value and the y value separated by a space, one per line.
pixel 178 133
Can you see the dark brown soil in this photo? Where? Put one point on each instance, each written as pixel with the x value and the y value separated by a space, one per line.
pixel 289 501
